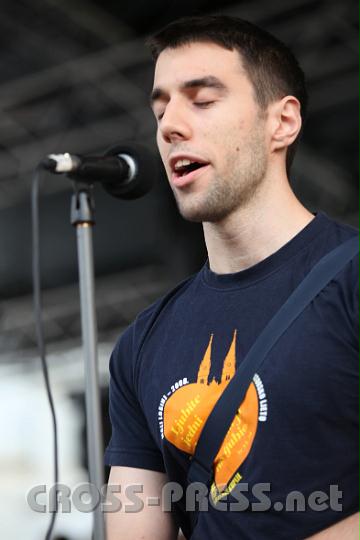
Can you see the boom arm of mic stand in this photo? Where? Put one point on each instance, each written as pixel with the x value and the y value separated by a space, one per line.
pixel 82 217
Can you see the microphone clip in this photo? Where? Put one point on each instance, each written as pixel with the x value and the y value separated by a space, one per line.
pixel 82 204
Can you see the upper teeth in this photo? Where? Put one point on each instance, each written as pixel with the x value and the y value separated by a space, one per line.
pixel 182 163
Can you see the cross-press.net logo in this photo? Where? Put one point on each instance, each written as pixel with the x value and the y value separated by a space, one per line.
pixel 85 497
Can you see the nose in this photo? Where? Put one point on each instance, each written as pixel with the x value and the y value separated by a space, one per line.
pixel 174 125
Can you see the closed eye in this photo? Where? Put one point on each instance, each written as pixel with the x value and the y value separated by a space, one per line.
pixel 203 103
pixel 200 104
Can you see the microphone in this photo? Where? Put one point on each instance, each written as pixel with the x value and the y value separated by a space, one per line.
pixel 125 171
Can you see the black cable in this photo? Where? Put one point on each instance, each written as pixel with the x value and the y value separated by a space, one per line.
pixel 39 328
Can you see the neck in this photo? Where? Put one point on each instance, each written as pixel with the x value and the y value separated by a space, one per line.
pixel 251 233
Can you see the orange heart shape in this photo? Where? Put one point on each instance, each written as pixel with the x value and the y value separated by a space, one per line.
pixel 187 410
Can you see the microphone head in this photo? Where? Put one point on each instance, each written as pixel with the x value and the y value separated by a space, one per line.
pixel 142 177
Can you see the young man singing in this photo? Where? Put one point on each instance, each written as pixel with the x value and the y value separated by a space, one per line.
pixel 229 101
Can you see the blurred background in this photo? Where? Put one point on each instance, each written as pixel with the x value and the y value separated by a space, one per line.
pixel 75 76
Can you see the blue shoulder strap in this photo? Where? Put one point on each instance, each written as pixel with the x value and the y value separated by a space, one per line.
pixel 224 411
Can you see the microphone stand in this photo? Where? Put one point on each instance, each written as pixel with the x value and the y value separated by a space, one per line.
pixel 82 217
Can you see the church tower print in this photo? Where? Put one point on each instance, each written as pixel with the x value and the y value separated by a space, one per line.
pixel 186 411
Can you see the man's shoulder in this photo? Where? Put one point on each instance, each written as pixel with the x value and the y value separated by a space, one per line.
pixel 327 234
pixel 342 231
pixel 337 233
pixel 342 293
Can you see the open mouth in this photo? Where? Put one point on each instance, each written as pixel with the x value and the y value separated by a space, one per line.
pixel 186 169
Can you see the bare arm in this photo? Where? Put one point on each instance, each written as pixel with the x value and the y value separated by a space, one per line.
pixel 346 529
pixel 149 523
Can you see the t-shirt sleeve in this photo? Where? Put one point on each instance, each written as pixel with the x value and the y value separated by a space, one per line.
pixel 131 443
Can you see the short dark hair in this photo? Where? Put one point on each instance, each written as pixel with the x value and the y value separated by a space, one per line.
pixel 270 65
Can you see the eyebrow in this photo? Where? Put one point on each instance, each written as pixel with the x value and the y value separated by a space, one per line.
pixel 209 81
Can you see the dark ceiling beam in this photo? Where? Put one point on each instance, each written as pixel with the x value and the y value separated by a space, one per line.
pixel 331 94
pixel 329 62
pixel 10 129
pixel 262 11
pixel 93 19
pixel 34 43
pixel 101 63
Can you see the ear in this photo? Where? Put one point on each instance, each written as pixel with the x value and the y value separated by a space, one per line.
pixel 286 122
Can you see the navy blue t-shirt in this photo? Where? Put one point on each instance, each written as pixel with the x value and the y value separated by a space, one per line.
pixel 297 429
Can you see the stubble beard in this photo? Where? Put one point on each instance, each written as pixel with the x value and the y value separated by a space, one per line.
pixel 234 189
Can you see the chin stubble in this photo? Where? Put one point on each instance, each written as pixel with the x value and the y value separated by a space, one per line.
pixel 234 189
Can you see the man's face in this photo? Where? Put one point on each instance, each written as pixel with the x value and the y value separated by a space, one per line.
pixel 211 133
